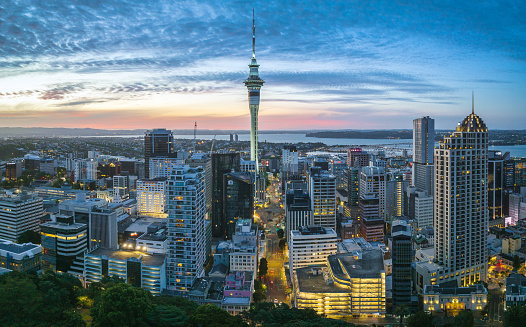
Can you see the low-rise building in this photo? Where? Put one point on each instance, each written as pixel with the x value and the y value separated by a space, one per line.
pixel 135 267
pixel 441 298
pixel 311 246
pixel 237 295
pixel 20 257
pixel 515 290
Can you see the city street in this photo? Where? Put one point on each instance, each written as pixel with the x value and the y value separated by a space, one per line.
pixel 272 216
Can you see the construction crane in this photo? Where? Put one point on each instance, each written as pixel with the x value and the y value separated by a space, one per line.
pixel 195 136
pixel 212 147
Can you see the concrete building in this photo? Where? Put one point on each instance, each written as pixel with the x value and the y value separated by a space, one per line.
pixel 510 244
pixel 163 165
pixel 454 299
pixel 136 268
pixel 25 257
pixel 371 229
pixel 311 245
pixel 373 183
pixel 423 145
pixel 419 207
pixel 151 197
pixel 204 160
pixel 243 255
pixel 394 198
pixel 515 290
pixel 62 241
pixel 339 168
pixel 48 165
pixel 19 213
pixel 496 184
pixel 350 284
pixel 85 170
pixel 237 294
pixel 289 160
pixel 357 158
pixel 298 211
pixel 100 218
pixel 461 202
pixel 322 192
pixel 156 142
pixel 13 170
pixel 186 210
pixel 121 186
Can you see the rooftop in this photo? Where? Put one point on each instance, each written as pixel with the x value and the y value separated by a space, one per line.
pixel 312 282
pixel 147 259
pixel 371 264
pixel 439 289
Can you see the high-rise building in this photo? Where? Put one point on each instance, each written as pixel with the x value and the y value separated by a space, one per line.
pixel 162 165
pixel 496 183
pixel 289 160
pixel 373 183
pixel 19 213
pixel 238 200
pixel 62 240
pixel 395 194
pixel 339 168
pixel 186 209
pixel 254 84
pixel 222 163
pixel 461 202
pixel 298 211
pixel 121 186
pixel 423 145
pixel 402 256
pixel 322 192
pixel 156 142
pixel 85 170
pixel 357 158
pixel 151 197
pixel 203 160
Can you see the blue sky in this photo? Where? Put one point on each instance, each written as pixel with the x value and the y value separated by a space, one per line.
pixel 327 65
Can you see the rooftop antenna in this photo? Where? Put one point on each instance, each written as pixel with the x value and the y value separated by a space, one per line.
pixel 253 35
pixel 472 102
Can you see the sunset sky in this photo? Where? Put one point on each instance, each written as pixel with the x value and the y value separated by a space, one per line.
pixel 327 64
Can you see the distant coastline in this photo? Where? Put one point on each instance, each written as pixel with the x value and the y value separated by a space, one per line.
pixel 397 135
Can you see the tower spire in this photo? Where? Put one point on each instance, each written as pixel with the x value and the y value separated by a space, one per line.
pixel 253 35
pixel 472 102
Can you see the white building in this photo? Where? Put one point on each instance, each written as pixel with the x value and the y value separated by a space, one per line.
pixel 311 246
pixel 135 267
pixel 322 191
pixel 289 159
pixel 151 196
pixel 164 166
pixel 248 166
pixel 19 213
pixel 85 169
pixel 461 202
pixel 449 299
pixel 373 183
pixel 185 205
pixel 423 210
pixel 120 186
pixel 244 253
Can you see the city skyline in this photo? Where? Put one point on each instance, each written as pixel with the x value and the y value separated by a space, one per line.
pixel 343 65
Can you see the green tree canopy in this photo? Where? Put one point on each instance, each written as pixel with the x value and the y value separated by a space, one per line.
pixel 281 233
pixel 420 319
pixel 515 316
pixel 167 316
pixel 282 244
pixel 516 262
pixel 464 319
pixel 401 311
pixel 122 305
pixel 29 236
pixel 187 306
pixel 209 315
pixel 263 267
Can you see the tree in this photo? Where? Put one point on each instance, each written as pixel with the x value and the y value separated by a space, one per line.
pixel 281 233
pixel 187 306
pixel 282 244
pixel 29 236
pixel 464 319
pixel 258 296
pixel 516 262
pixel 401 311
pixel 20 301
pixel 122 305
pixel 420 319
pixel 515 316
pixel 166 316
pixel 209 315
pixel 263 267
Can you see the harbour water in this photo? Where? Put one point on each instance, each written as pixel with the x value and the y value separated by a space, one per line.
pixel 515 150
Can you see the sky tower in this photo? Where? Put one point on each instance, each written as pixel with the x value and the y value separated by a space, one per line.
pixel 254 84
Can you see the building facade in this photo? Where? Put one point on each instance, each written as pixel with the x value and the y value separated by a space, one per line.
pixel 461 202
pixel 19 213
pixel 310 246
pixel 322 192
pixel 156 142
pixel 186 210
pixel 151 197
